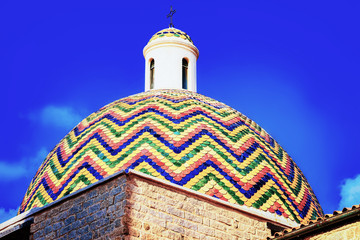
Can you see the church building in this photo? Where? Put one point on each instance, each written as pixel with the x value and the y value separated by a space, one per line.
pixel 167 163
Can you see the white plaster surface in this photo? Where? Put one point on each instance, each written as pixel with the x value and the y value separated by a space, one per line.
pixel 168 53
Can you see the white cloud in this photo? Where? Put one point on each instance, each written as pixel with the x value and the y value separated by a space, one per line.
pixel 11 171
pixel 7 214
pixel 26 167
pixel 33 163
pixel 350 192
pixel 62 117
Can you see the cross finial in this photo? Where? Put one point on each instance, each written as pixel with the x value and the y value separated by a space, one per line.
pixel 170 15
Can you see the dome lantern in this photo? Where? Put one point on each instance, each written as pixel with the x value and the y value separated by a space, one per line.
pixel 170 61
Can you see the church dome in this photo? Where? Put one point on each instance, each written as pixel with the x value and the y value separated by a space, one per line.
pixel 182 137
pixel 171 32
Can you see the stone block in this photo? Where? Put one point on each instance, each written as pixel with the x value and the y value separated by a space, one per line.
pixel 135 189
pixel 186 223
pixel 121 180
pixel 189 207
pixel 115 191
pixel 134 213
pixel 94 208
pixel 193 234
pixel 193 217
pixel 137 198
pixel 69 220
pixel 165 200
pixel 120 213
pixel 175 211
pixel 159 222
pixel 206 230
pixel 110 209
pixel 51 235
pixel 93 193
pixel 210 207
pixel 55 210
pixel 175 228
pixel 195 202
pixel 79 199
pixel 218 225
pixel 134 205
pixel 56 226
pixel 66 205
pixel 156 229
pixel 75 209
pixel 206 221
pixel 38 234
pixel 120 197
pixel 88 203
pixel 109 228
pixel 100 214
pixel 82 231
pixel 82 214
pixel 101 198
pixel 61 238
pixel 222 235
pixel 65 230
pixel 97 224
pixel 34 227
pixel 87 236
pixel 151 203
pixel 120 204
pixel 40 238
pixel 206 214
pixel 165 216
pixel 76 224
pixel 72 234
pixel 149 236
pixel 39 218
pixel 223 219
pixel 48 229
pixel 61 216
pixel 90 219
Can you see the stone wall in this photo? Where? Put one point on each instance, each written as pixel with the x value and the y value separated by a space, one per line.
pixel 94 214
pixel 156 212
pixel 131 206
pixel 349 231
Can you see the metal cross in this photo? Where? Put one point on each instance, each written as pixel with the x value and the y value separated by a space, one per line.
pixel 170 15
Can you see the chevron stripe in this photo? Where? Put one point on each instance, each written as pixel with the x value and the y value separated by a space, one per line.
pixel 184 138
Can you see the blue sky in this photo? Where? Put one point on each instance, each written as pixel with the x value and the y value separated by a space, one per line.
pixel 292 67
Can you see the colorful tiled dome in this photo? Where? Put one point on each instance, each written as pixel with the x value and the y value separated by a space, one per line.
pixel 184 138
pixel 171 32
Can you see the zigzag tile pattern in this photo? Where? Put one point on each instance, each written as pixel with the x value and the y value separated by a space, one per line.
pixel 184 138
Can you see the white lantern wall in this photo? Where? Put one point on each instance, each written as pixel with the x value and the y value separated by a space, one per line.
pixel 168 54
